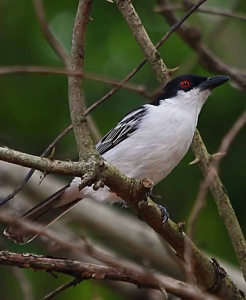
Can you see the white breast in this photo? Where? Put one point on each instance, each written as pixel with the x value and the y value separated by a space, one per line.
pixel 152 151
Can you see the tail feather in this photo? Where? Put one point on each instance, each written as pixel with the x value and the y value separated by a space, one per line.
pixel 45 213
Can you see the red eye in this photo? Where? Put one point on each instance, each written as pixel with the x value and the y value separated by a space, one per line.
pixel 185 84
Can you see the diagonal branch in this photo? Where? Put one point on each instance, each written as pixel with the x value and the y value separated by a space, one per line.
pixel 192 37
pixel 140 34
pixel 61 288
pixel 59 50
pixel 221 198
pixel 209 166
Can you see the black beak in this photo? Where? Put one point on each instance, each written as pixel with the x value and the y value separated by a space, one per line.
pixel 213 82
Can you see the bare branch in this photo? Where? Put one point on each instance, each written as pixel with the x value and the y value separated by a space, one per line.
pixel 59 71
pixel 208 60
pixel 38 5
pixel 207 273
pixel 61 289
pixel 142 63
pixel 143 39
pixel 30 173
pixel 210 11
pixel 132 235
pixel 76 98
pixel 126 188
pixel 230 136
pixel 82 271
pixel 7 70
pixel 209 167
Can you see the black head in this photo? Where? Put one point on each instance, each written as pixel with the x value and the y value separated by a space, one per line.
pixel 186 83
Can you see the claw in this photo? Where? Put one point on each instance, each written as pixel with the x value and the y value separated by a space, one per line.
pixel 164 214
pixel 152 196
pixel 124 205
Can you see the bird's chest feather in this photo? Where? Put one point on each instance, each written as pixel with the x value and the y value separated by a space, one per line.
pixel 151 152
pixel 157 147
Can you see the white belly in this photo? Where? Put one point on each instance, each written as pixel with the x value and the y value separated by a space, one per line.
pixel 147 153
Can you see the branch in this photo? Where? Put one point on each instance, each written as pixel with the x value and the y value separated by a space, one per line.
pixel 208 275
pixel 102 221
pixel 59 50
pixel 210 11
pixel 30 173
pixel 61 288
pixel 213 171
pixel 142 63
pixel 140 34
pixel 192 37
pixel 76 99
pixel 61 71
pixel 20 69
pixel 100 170
pixel 83 271
pixel 210 175
pixel 128 12
pixel 219 193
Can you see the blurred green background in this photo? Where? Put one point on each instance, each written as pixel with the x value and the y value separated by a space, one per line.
pixel 34 108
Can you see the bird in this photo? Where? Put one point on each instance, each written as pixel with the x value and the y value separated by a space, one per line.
pixel 149 142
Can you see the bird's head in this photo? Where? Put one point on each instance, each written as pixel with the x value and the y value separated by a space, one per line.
pixel 189 89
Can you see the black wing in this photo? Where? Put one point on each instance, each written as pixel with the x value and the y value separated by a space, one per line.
pixel 122 130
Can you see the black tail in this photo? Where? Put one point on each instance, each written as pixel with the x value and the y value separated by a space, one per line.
pixel 45 213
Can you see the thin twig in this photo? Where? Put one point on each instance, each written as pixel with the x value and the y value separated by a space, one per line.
pixel 143 62
pixel 51 39
pixel 59 71
pixel 222 13
pixel 61 288
pixel 201 197
pixel 178 23
pixel 192 37
pixel 230 136
pixel 143 40
pixel 206 272
pixel 60 51
pixel 48 70
pixel 209 166
pixel 215 160
pixel 210 11
pixel 87 75
pixel 30 173
pixel 160 227
pixel 127 78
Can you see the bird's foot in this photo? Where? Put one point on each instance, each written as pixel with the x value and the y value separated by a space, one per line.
pixel 124 204
pixel 164 213
pixel 152 196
